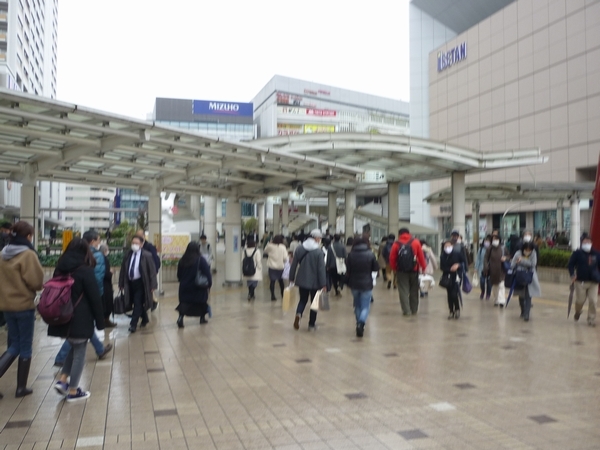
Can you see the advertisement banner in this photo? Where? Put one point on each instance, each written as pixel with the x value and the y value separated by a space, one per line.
pixel 321 112
pixel 174 245
pixel 285 129
pixel 308 129
pixel 290 110
pixel 218 108
pixel 288 99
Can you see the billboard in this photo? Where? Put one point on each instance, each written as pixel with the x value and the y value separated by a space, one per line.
pixel 309 129
pixel 217 108
pixel 306 111
pixel 285 129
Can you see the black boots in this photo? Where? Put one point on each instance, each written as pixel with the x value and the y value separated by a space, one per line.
pixel 180 321
pixel 22 375
pixel 360 329
pixel 6 361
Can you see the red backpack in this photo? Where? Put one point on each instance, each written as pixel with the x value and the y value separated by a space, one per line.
pixel 55 306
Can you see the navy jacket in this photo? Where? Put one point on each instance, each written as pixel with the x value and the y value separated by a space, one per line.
pixel 587 265
pixel 360 263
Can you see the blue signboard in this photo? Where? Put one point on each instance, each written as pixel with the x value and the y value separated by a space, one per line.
pixel 451 57
pixel 217 108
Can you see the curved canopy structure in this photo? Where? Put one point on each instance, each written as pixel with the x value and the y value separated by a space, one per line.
pixel 398 158
pixel 43 139
pixel 497 192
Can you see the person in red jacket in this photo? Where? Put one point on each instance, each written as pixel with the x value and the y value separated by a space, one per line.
pixel 407 259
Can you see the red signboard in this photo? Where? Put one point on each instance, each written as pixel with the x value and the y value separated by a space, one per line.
pixel 321 112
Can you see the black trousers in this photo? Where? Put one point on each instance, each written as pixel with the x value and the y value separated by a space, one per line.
pixel 453 300
pixel 306 296
pixel 137 294
pixel 337 280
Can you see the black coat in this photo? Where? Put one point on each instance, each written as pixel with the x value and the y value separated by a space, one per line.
pixel 192 299
pixel 585 265
pixel 108 296
pixel 88 313
pixel 361 261
pixel 148 273
pixel 152 249
pixel 447 261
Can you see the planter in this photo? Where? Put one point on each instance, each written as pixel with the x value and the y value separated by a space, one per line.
pixel 553 275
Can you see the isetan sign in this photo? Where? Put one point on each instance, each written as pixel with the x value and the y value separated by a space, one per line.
pixel 451 57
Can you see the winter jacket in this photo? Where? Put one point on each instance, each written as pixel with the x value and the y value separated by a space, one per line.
pixel 528 263
pixel 380 258
pixel 148 273
pixel 155 258
pixel 340 249
pixel 479 266
pixel 188 291
pixel 585 265
pixel 258 275
pixel 278 255
pixel 88 313
pixel 361 262
pixel 21 275
pixel 311 273
pixel 492 264
pixel 100 269
pixel 448 260
pixel 431 260
pixel 420 262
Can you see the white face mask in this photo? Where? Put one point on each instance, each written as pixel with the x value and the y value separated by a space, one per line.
pixel 448 250
pixel 495 243
pixel 135 247
pixel 459 241
pixel 586 247
pixel 526 238
pixel 486 244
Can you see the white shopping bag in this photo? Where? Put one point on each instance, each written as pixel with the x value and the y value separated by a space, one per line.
pixel 315 303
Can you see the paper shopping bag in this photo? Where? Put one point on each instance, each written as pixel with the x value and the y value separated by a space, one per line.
pixel 286 303
pixel 316 300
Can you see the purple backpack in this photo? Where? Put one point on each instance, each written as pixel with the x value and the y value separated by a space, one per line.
pixel 55 306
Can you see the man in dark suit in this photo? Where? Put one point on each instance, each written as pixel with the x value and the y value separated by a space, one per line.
pixel 152 249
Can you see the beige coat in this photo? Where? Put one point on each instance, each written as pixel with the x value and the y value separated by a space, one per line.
pixel 278 255
pixel 432 265
pixel 20 277
pixel 258 275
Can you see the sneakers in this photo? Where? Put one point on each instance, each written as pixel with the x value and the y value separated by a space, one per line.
pixel 360 329
pixel 297 322
pixel 577 316
pixel 79 395
pixel 61 388
pixel 107 348
pixel 451 315
pixel 180 322
pixel 457 314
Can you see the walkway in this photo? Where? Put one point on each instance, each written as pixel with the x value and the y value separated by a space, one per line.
pixel 247 380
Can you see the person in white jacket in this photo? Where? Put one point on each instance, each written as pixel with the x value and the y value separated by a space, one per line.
pixel 278 256
pixel 432 265
pixel 251 250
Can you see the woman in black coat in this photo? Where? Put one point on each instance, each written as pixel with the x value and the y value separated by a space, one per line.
pixel 193 300
pixel 78 261
pixel 360 265
pixel 451 263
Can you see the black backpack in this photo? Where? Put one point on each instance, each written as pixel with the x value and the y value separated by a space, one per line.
pixel 387 250
pixel 248 266
pixel 406 258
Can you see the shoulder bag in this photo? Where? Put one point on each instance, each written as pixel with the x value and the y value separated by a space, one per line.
pixel 201 280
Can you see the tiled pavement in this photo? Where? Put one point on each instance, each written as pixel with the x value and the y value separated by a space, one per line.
pixel 248 380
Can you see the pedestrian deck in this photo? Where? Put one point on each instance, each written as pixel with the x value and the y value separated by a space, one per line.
pixel 248 380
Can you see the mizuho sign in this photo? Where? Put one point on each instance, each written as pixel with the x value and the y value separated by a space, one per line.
pixel 449 58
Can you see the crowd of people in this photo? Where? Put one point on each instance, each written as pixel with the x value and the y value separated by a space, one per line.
pixel 316 264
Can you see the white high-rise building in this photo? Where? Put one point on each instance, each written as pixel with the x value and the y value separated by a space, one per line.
pixel 28 41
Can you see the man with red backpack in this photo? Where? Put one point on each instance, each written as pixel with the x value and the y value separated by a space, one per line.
pixel 406 260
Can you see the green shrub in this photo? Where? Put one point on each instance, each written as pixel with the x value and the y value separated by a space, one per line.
pixel 554 258
pixel 49 261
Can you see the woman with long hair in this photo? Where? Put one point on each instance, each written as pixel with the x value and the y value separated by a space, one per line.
pixel 277 257
pixel 252 251
pixel 21 275
pixel 78 262
pixel 193 299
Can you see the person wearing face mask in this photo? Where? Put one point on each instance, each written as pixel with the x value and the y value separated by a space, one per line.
pixel 528 238
pixel 493 268
pixel 452 263
pixel 21 275
pixel 526 259
pixel 459 247
pixel 584 268
pixel 484 282
pixel 138 280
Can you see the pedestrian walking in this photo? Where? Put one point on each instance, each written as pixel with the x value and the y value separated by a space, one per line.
pixel 21 275
pixel 406 260
pixel 339 251
pixel 495 257
pixel 360 265
pixel 525 259
pixel 308 272
pixel 277 257
pixel 193 299
pixel 452 265
pixel 484 281
pixel 78 262
pixel 252 267
pixel 138 281
pixel 430 268
pixel 584 268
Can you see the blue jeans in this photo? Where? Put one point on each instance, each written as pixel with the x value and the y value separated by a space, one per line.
pixel 64 350
pixel 362 304
pixel 20 326
pixel 74 363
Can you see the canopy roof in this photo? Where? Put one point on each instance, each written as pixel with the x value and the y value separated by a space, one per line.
pixel 491 192
pixel 400 158
pixel 414 228
pixel 43 139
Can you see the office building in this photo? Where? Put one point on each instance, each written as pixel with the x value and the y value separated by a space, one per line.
pixel 503 74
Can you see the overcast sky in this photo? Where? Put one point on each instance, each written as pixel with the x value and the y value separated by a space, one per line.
pixel 119 55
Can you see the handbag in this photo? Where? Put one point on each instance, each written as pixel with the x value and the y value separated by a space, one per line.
pixel 340 264
pixel 509 278
pixel 466 284
pixel 119 304
pixel 446 280
pixel 524 277
pixel 201 280
pixel 475 280
pixel 316 300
